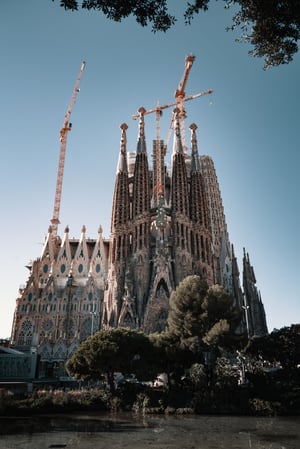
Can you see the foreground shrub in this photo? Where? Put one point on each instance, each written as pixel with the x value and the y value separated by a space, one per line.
pixel 260 407
pixel 57 401
pixel 141 403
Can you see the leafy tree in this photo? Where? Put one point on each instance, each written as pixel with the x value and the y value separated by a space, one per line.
pixel 171 357
pixel 225 375
pixel 110 351
pixel 272 27
pixel 281 345
pixel 198 376
pixel 201 315
pixel 146 11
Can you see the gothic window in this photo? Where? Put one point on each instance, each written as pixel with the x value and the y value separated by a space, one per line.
pixel 47 325
pixel 25 333
pixel 207 250
pixel 202 248
pixel 69 328
pixel 161 321
pixel 86 329
pixel 26 327
pixel 163 315
pixel 127 322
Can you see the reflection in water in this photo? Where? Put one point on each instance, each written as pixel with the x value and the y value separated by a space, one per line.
pixel 126 431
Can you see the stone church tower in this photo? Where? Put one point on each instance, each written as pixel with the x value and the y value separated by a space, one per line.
pixel 165 225
pixel 160 233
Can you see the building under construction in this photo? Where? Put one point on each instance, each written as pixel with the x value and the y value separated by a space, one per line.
pixel 166 224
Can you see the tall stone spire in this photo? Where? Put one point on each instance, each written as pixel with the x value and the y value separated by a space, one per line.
pixel 181 224
pixel 141 146
pixel 254 307
pixel 200 234
pixel 141 198
pixel 121 208
pixel 179 195
pixel 141 181
pixel 195 165
pixel 122 163
pixel 177 145
pixel 217 219
pixel 120 238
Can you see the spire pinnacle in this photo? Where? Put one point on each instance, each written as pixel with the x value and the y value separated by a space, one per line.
pixel 177 147
pixel 195 166
pixel 122 164
pixel 141 145
pixel 124 128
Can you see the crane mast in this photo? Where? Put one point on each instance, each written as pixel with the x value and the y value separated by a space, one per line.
pixel 67 126
pixel 180 97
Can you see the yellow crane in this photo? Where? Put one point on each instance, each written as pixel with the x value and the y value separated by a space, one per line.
pixel 67 126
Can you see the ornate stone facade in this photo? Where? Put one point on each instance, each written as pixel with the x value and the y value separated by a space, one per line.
pixel 165 225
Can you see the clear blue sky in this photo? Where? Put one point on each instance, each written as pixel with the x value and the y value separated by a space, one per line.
pixel 249 126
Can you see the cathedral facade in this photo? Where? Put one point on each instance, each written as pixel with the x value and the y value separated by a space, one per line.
pixel 166 224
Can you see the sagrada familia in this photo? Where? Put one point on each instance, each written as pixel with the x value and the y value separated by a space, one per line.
pixel 166 224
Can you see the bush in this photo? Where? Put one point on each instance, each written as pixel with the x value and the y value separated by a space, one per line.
pixel 259 407
pixel 58 401
pixel 141 403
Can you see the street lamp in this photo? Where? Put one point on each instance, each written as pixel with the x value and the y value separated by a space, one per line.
pixel 246 307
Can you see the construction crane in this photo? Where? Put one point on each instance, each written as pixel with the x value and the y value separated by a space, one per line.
pixel 67 126
pixel 179 103
pixel 181 98
pixel 159 108
pixel 180 92
pixel 158 153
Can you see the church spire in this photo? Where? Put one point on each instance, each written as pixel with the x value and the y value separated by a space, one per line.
pixel 256 312
pixel 141 145
pixel 141 180
pixel 177 146
pixel 195 166
pixel 200 235
pixel 122 163
pixel 121 202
